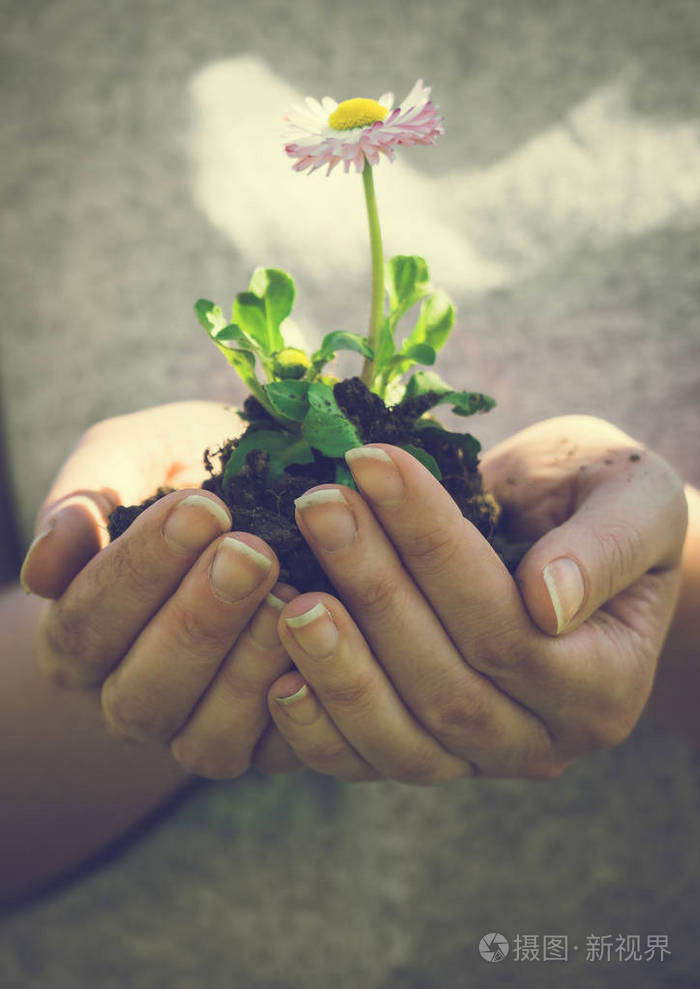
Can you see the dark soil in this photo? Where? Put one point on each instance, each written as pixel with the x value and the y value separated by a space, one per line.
pixel 269 511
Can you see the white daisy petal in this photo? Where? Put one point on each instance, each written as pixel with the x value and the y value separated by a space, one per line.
pixel 314 143
pixel 314 106
pixel 419 95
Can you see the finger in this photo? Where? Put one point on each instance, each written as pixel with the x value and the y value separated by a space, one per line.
pixel 92 625
pixel 274 755
pixel 456 569
pixel 73 532
pixel 443 686
pixel 334 659
pixel 172 662
pixel 218 739
pixel 482 610
pixel 629 517
pixel 311 734
pixel 113 465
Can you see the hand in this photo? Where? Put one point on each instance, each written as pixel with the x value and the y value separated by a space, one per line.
pixel 173 625
pixel 439 664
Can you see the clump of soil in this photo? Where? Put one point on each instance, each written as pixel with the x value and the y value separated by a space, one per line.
pixel 269 511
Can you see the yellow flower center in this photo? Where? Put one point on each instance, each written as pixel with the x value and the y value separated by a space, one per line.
pixel 356 113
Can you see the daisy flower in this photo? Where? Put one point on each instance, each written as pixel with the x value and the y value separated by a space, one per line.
pixel 357 131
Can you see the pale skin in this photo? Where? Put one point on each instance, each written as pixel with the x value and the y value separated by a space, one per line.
pixel 437 665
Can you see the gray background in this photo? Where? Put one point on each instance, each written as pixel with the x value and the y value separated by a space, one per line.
pixel 561 209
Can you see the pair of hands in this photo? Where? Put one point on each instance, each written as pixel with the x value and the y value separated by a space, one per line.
pixel 435 664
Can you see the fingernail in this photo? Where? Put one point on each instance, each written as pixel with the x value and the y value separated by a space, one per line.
pixel 194 522
pixel 301 706
pixel 263 627
pixel 315 631
pixel 237 569
pixel 564 582
pixel 46 531
pixel 328 518
pixel 298 695
pixel 376 474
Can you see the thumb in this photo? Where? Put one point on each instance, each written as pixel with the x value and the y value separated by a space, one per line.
pixel 69 533
pixel 626 520
pixel 117 461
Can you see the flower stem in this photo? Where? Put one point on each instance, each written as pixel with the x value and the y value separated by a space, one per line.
pixel 376 315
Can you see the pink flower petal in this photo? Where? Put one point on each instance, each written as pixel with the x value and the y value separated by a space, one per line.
pixel 314 144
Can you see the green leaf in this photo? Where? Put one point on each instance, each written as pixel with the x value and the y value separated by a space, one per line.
pixel 250 314
pixel 244 363
pixel 344 476
pixel 224 334
pixel 435 322
pixel 325 427
pixel 210 316
pixel 464 403
pixel 425 458
pixel 212 319
pixel 289 398
pixel 276 289
pixel 340 340
pixel 283 448
pixel 385 346
pixel 233 332
pixel 406 280
pixel 468 403
pixel 419 353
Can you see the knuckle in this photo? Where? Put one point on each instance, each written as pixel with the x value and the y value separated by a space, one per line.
pixel 417 768
pixel 433 548
pixel 378 595
pixel 273 756
pixel 127 715
pixel 245 689
pixel 498 654
pixel 61 632
pixel 128 567
pixel 458 717
pixel 65 647
pixel 604 733
pixel 52 671
pixel 549 769
pixel 621 546
pixel 355 696
pixel 209 760
pixel 193 630
pixel 325 756
pixel 58 675
pixel 359 774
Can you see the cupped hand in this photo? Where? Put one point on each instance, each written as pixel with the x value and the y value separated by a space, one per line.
pixel 438 663
pixel 173 626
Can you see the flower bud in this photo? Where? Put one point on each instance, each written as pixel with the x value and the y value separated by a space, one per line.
pixel 290 363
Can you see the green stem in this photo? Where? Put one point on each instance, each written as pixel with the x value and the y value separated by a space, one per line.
pixel 376 315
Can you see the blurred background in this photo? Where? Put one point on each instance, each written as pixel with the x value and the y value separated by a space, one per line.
pixel 143 168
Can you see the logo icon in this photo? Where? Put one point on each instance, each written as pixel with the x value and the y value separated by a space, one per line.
pixel 493 947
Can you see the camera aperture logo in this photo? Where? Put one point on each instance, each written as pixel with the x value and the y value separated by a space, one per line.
pixel 608 948
pixel 493 947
